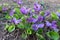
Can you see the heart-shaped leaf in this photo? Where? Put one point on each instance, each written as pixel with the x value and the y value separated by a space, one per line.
pixel 54 16
pixel 24 36
pixel 11 28
pixel 40 37
pixel 6 27
pixel 8 17
pixel 17 11
pixel 21 26
pixel 29 31
pixel 40 31
pixel 16 16
pixel 42 13
pixel 53 35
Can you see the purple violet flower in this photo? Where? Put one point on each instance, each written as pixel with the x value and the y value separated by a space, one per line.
pixel 14 20
pixel 48 24
pixel 12 12
pixel 51 25
pixel 54 22
pixel 54 26
pixel 37 7
pixel 4 8
pixel 47 13
pixel 30 19
pixel 32 12
pixel 24 10
pixel 41 25
pixel 40 18
pixel 37 26
pixel 58 14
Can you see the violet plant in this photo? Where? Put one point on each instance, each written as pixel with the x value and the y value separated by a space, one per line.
pixel 33 20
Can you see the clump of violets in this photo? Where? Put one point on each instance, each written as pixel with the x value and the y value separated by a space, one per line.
pixel 32 21
pixel 27 17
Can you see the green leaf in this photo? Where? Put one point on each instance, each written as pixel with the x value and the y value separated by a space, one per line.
pixel 5 4
pixel 21 25
pixel 35 16
pixel 58 23
pixel 27 25
pixel 53 35
pixel 18 13
pixel 24 36
pixel 8 17
pixel 58 10
pixel 0 8
pixel 40 31
pixel 6 27
pixel 11 28
pixel 23 18
pixel 16 16
pixel 54 16
pixel 42 13
pixel 40 37
pixel 33 10
pixel 29 31
pixel 17 10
